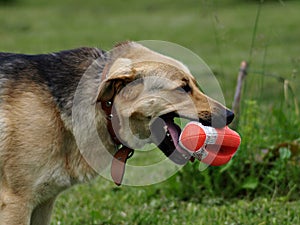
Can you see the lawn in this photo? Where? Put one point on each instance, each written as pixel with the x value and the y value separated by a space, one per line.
pixel 102 203
pixel 261 185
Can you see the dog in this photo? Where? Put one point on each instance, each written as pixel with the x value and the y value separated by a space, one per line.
pixel 135 94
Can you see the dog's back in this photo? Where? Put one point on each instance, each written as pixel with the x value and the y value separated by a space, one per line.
pixel 57 72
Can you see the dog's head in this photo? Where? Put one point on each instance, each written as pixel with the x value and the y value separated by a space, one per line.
pixel 148 91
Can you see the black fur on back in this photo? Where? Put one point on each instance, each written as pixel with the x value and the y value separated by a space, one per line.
pixel 58 72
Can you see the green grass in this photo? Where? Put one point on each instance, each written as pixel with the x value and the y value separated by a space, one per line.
pixel 254 188
pixel 106 204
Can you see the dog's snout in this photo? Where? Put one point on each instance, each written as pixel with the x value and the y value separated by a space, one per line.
pixel 229 116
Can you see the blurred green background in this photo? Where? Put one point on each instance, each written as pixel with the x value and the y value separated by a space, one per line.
pixel 261 185
pixel 221 32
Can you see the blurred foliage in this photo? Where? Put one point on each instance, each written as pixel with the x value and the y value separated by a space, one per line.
pixel 8 2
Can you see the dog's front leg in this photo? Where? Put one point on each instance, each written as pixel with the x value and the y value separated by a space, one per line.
pixel 42 213
pixel 14 210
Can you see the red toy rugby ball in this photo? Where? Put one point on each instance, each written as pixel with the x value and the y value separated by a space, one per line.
pixel 213 146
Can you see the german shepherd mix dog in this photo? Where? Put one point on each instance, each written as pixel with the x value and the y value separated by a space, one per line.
pixel 39 156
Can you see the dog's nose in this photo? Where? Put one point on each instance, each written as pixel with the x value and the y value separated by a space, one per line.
pixel 229 116
pixel 223 120
pixel 217 120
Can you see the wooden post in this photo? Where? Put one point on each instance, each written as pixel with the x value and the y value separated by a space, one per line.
pixel 238 92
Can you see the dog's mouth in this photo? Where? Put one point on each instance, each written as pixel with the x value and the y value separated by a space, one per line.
pixel 166 137
pixel 166 134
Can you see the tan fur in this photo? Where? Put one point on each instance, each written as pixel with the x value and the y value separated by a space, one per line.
pixel 39 157
pixel 38 154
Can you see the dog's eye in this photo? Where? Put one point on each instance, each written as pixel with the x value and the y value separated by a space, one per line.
pixel 185 88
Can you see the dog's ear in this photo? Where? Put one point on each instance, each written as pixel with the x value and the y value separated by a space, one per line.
pixel 116 77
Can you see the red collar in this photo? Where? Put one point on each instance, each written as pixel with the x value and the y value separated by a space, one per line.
pixel 123 152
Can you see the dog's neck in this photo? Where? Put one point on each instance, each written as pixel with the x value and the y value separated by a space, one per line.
pixel 123 152
pixel 79 104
